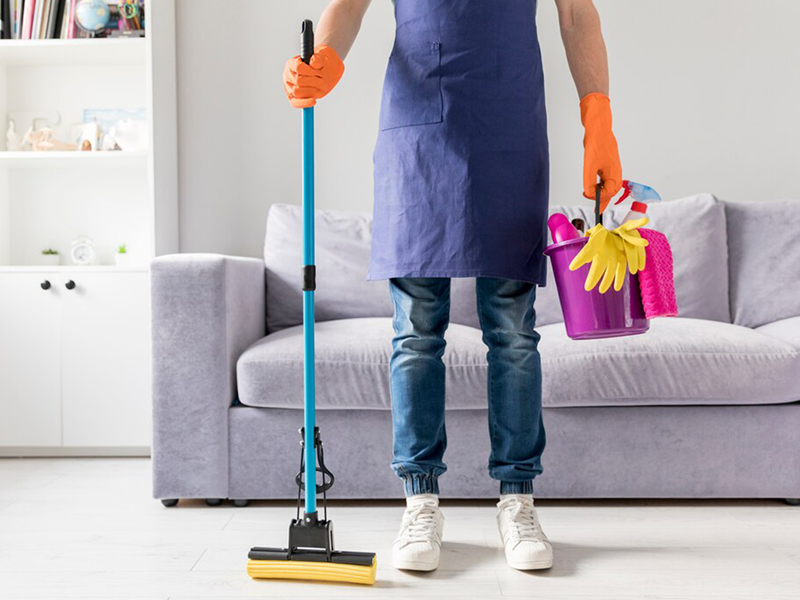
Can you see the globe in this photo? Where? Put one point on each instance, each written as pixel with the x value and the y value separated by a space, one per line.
pixel 92 15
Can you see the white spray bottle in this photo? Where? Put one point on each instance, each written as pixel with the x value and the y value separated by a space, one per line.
pixel 642 196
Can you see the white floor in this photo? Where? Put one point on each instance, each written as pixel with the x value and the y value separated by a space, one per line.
pixel 87 528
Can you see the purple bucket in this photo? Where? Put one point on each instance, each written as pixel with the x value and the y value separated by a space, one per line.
pixel 592 315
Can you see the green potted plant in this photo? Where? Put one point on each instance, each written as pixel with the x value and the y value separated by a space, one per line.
pixel 50 257
pixel 122 257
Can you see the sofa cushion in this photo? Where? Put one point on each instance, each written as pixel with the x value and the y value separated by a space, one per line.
pixel 679 361
pixel 342 256
pixel 342 253
pixel 352 366
pixel 786 330
pixel 764 261
pixel 695 227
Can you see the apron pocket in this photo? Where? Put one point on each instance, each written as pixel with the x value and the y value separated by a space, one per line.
pixel 412 91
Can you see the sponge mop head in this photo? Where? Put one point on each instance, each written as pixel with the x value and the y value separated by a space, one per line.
pixel 312 571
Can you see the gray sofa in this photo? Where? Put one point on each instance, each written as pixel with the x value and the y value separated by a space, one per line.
pixel 705 405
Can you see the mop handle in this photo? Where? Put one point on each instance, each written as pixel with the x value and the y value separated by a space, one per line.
pixel 309 284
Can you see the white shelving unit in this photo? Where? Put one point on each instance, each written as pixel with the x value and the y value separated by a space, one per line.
pixel 45 160
pixel 75 359
pixel 34 53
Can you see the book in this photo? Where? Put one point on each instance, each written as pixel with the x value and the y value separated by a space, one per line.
pixel 64 21
pixel 55 18
pixel 18 4
pixel 5 19
pixel 37 19
pixel 27 19
pixel 51 13
pixel 71 24
pixel 43 19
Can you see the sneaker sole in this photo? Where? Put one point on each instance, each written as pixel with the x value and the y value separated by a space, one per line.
pixel 414 565
pixel 532 565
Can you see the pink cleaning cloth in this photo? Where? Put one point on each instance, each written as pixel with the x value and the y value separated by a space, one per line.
pixel 656 281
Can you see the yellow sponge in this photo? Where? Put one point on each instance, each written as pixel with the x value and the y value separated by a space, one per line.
pixel 313 571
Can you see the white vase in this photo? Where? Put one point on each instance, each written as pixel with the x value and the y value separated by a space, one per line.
pixel 123 260
pixel 50 260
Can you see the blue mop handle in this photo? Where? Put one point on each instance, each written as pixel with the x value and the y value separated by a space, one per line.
pixel 309 392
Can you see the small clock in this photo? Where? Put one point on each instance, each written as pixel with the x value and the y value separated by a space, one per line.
pixel 83 251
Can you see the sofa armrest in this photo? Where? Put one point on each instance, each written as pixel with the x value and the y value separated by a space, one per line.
pixel 206 310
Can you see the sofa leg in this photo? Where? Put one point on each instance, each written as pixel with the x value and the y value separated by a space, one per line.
pixel 240 503
pixel 170 502
pixel 793 501
pixel 213 501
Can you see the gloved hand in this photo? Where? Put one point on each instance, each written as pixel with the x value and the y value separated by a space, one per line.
pixel 612 254
pixel 600 154
pixel 307 83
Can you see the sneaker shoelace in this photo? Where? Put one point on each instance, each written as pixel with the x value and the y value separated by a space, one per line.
pixel 523 521
pixel 420 523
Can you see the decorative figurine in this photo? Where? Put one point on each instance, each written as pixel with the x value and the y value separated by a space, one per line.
pixel 13 143
pixel 43 140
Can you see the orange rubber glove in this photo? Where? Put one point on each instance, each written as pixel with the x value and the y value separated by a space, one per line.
pixel 307 83
pixel 600 152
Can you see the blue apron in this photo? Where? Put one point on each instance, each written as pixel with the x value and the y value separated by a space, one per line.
pixel 461 161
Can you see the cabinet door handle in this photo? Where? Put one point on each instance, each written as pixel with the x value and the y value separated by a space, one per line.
pixel 45 285
pixel 70 285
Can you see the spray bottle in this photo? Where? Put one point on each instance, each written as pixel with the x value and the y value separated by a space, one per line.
pixel 642 196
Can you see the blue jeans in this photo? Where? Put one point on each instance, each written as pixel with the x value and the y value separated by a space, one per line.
pixel 507 318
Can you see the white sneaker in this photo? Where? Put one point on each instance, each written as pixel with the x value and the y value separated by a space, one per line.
pixel 525 544
pixel 419 543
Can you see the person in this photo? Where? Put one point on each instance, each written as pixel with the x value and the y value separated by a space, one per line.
pixel 461 190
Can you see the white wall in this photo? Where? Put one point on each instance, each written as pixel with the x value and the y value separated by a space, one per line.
pixel 706 97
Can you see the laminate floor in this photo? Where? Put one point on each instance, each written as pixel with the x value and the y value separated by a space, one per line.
pixel 88 528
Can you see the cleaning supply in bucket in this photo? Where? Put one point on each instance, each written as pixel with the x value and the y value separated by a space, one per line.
pixel 561 229
pixel 592 315
pixel 656 281
pixel 612 255
pixel 604 251
pixel 588 313
pixel 642 196
pixel 642 258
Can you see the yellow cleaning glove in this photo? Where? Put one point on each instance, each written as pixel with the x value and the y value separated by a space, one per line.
pixel 612 254
pixel 633 243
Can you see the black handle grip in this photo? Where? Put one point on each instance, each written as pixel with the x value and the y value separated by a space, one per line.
pixel 45 285
pixel 70 285
pixel 307 41
pixel 597 214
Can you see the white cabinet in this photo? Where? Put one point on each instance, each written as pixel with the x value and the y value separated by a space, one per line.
pixel 75 360
pixel 105 358
pixel 30 361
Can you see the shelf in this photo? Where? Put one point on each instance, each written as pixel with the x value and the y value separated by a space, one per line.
pixel 106 51
pixel 74 269
pixel 38 160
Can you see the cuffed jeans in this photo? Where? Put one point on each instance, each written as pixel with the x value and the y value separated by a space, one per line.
pixel 507 318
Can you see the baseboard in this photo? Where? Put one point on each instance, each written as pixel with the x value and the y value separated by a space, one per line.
pixel 76 451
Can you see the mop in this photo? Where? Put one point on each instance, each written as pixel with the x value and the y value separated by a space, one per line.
pixel 310 554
